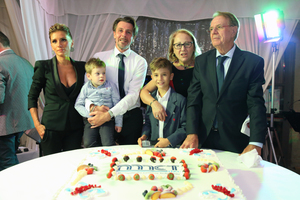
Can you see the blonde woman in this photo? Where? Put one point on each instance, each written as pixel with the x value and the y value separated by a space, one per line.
pixel 61 79
pixel 183 49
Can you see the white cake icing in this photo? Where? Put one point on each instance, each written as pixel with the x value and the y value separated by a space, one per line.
pixel 199 184
pixel 146 167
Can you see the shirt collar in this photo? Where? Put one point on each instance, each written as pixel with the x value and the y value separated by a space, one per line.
pixel 92 86
pixel 4 51
pixel 228 54
pixel 165 97
pixel 126 53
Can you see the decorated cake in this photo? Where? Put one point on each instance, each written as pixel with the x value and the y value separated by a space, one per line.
pixel 120 173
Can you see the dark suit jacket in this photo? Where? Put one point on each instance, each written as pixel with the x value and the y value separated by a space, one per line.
pixel 15 81
pixel 59 108
pixel 175 122
pixel 240 95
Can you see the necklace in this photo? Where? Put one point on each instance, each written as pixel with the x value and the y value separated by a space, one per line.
pixel 186 66
pixel 191 65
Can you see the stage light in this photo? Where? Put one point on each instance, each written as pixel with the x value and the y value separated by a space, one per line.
pixel 269 26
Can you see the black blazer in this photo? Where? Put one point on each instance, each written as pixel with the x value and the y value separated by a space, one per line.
pixel 174 125
pixel 59 108
pixel 240 95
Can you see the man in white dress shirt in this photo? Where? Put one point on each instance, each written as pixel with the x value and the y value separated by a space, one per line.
pixel 124 30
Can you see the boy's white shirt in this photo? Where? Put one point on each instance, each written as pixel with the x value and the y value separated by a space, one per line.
pixel 164 102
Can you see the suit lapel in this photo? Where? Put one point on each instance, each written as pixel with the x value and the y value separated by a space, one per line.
pixel 212 73
pixel 236 63
pixel 60 91
pixel 170 107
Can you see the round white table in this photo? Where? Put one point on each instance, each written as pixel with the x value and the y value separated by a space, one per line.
pixel 41 178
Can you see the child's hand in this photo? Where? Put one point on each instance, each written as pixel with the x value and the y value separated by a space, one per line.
pixel 144 137
pixel 118 129
pixel 99 108
pixel 162 142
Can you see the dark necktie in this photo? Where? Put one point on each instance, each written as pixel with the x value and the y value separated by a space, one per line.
pixel 121 75
pixel 220 71
pixel 220 76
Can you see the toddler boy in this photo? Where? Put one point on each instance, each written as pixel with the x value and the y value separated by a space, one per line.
pixel 100 92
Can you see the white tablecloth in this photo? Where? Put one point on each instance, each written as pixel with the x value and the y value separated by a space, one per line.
pixel 41 178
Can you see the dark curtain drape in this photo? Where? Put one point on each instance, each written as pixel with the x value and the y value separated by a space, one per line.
pixel 153 37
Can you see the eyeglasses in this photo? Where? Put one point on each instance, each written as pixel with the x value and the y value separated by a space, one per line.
pixel 186 45
pixel 218 27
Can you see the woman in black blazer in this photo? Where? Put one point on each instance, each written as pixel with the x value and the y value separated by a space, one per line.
pixel 61 79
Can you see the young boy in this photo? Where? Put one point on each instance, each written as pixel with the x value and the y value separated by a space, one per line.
pixel 172 131
pixel 100 92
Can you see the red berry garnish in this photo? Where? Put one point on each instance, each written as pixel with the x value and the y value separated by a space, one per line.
pixel 121 177
pixel 109 175
pixel 136 177
pixel 111 170
pixel 195 151
pixel 186 170
pixel 151 176
pixel 223 190
pixel 170 176
pixel 112 164
pixel 187 175
pixel 81 189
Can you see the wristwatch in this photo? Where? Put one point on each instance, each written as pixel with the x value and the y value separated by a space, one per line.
pixel 110 113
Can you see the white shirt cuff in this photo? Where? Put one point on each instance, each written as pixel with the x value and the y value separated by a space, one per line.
pixel 87 104
pixel 257 144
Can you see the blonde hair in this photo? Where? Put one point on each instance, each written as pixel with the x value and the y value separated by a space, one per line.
pixel 171 55
pixel 59 27
pixel 158 63
pixel 93 63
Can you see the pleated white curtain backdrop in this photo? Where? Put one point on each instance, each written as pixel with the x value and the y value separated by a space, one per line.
pixel 90 22
pixel 9 26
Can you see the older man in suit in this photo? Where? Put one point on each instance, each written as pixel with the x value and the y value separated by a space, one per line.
pixel 223 91
pixel 15 81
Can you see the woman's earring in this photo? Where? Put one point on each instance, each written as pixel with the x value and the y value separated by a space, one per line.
pixel 53 53
pixel 72 49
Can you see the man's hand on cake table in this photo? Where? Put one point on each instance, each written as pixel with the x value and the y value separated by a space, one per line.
pixel 143 137
pixel 162 143
pixel 158 111
pixel 191 141
pixel 100 116
pixel 250 147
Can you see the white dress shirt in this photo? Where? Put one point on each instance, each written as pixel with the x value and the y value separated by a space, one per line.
pixel 226 63
pixel 135 73
pixel 164 102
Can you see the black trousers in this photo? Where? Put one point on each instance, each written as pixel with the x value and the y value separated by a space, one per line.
pixel 132 127
pixel 215 140
pixel 58 141
pixel 99 136
pixel 8 148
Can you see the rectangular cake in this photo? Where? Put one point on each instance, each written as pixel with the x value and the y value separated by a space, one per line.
pixel 125 173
